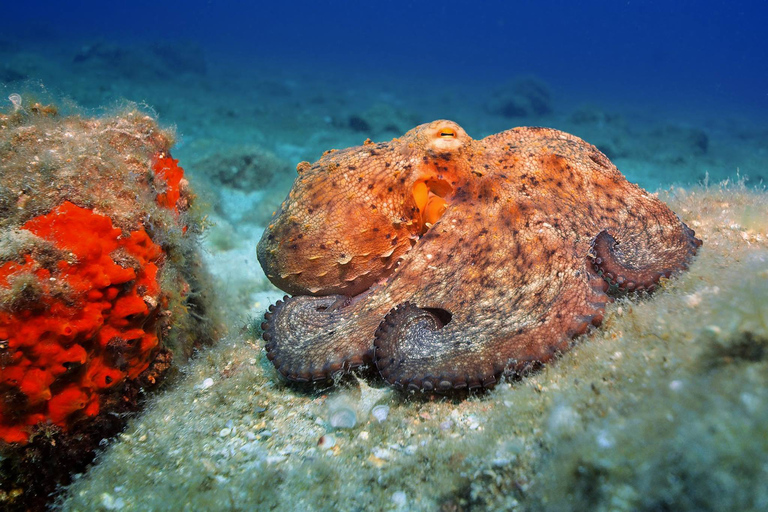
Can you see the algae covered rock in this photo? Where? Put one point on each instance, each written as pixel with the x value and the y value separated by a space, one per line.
pixel 101 286
pixel 246 167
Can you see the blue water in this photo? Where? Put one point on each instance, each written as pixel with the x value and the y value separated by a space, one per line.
pixel 689 51
pixel 691 65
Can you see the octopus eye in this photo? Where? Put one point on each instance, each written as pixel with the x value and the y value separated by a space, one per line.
pixel 447 133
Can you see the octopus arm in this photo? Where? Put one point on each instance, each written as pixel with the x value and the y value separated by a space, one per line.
pixel 499 307
pixel 309 339
pixel 636 238
pixel 649 242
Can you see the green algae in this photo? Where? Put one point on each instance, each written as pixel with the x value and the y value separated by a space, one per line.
pixel 665 407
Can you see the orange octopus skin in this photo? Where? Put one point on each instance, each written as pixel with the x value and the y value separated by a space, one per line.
pixel 448 261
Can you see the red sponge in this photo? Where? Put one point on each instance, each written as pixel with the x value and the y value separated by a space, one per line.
pixel 92 324
pixel 167 169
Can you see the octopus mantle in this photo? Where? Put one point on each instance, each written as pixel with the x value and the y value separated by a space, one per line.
pixel 447 261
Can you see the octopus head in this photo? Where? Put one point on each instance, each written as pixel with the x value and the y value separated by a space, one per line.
pixel 353 214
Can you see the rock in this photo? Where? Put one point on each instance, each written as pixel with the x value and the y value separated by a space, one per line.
pixel 98 259
pixel 525 97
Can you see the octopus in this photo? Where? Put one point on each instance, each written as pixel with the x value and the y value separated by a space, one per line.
pixel 447 262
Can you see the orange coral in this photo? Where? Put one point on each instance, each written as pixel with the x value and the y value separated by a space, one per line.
pixel 89 326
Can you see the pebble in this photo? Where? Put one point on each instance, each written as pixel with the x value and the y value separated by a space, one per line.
pixel 751 401
pixel 376 461
pixel 399 498
pixel 206 383
pixel 382 453
pixel 604 440
pixel 110 503
pixel 225 432
pixel 676 385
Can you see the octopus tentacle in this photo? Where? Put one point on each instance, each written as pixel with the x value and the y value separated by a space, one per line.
pixel 301 330
pixel 625 265
pixel 404 347
pixel 415 350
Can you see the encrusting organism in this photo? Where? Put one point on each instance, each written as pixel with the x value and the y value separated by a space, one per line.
pixel 101 286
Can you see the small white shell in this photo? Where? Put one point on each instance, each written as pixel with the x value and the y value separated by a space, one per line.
pixel 343 416
pixel 326 442
pixel 380 412
pixel 15 99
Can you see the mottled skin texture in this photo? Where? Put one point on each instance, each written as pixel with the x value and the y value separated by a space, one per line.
pixel 536 223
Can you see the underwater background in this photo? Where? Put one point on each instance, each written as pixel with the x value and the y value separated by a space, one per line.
pixel 665 407
pixel 620 74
